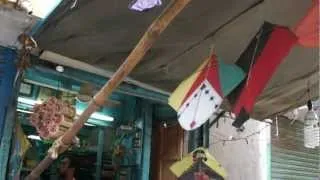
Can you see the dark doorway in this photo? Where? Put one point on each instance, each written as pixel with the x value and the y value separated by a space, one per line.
pixel 167 148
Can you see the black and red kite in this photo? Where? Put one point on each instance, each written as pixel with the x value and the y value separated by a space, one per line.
pixel 259 61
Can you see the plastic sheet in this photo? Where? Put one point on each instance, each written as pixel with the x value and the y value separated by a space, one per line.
pixel 142 5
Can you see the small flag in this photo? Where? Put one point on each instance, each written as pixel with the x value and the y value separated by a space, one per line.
pixel 259 61
pixel 307 29
pixel 200 96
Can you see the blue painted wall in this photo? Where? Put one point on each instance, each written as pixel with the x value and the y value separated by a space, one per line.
pixel 7 75
pixel 8 93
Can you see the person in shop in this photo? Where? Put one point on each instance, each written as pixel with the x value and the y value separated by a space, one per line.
pixel 67 169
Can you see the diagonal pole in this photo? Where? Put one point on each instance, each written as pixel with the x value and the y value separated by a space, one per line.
pixel 136 55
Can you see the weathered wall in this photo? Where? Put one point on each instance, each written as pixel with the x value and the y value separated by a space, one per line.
pixel 241 160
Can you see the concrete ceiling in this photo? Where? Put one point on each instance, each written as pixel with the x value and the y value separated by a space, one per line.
pixel 13 23
pixel 102 33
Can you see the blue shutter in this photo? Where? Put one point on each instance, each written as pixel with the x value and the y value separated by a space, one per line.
pixel 290 160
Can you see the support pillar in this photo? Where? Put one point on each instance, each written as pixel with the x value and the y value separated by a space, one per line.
pixel 101 140
pixel 206 135
pixel 194 139
pixel 147 138
pixel 199 137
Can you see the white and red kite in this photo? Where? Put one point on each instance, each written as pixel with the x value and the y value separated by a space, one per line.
pixel 198 97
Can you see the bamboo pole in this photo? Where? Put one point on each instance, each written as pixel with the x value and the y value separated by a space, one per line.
pixel 145 43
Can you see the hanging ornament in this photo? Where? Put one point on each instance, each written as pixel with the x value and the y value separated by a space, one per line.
pixel 198 165
pixel 28 44
pixel 52 118
pixel 311 128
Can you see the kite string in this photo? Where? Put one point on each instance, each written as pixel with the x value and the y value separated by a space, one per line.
pixel 258 36
pixel 206 75
pixel 201 90
pixel 308 89
pixel 240 138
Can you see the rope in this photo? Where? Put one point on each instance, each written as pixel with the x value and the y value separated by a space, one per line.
pixel 56 147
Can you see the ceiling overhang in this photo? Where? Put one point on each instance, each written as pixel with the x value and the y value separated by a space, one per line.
pixel 102 34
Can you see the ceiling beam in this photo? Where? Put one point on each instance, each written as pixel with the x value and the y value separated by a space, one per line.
pixel 39 74
pixel 76 64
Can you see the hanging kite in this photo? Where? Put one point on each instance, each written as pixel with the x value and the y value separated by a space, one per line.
pixel 307 29
pixel 198 165
pixel 260 60
pixel 198 97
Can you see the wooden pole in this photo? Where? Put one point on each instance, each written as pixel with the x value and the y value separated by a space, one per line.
pixel 145 43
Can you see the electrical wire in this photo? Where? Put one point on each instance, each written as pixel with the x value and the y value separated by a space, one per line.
pixel 245 138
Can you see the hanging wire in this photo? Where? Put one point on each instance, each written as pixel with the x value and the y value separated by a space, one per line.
pixel 224 138
pixel 258 36
pixel 245 138
pixel 277 127
pixel 308 89
pixel 302 96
